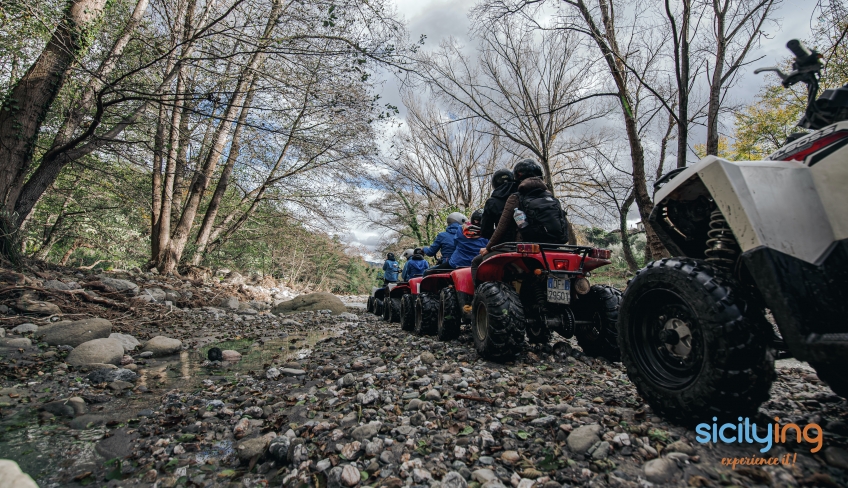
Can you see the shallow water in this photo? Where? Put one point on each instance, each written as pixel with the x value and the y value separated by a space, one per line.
pixel 42 450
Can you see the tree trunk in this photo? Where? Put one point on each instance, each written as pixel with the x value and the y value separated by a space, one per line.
pixel 223 181
pixel 681 58
pixel 715 85
pixel 625 237
pixel 171 256
pixel 25 109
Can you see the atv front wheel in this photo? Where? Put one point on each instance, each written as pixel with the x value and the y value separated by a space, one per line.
pixel 378 307
pixel 498 326
pixel 369 306
pixel 448 325
pixel 601 337
pixel 391 309
pixel 692 345
pixel 426 314
pixel 407 312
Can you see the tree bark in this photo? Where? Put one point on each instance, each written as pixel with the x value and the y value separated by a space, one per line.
pixel 681 64
pixel 23 112
pixel 715 84
pixel 625 237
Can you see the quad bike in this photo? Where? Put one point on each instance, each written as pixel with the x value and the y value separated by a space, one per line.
pixel 537 288
pixel 385 302
pixel 747 236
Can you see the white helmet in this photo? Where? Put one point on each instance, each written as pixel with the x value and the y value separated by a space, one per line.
pixel 407 254
pixel 456 218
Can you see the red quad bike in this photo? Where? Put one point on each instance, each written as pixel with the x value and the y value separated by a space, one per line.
pixel 537 288
pixel 423 308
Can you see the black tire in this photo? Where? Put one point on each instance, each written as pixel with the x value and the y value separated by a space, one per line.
pixel 724 368
pixel 601 338
pixel 834 376
pixel 498 321
pixel 407 312
pixel 369 306
pixel 449 320
pixel 426 314
pixel 394 310
pixel 378 307
pixel 388 303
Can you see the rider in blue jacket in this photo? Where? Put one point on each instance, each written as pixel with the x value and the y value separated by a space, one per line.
pixel 390 269
pixel 415 266
pixel 468 242
pixel 445 241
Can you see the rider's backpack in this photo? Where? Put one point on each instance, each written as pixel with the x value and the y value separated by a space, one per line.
pixel 545 217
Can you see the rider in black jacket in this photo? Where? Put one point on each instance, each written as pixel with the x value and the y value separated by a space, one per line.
pixel 504 186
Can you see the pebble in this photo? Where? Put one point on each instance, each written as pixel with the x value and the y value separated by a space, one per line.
pixel 350 475
pixel 660 470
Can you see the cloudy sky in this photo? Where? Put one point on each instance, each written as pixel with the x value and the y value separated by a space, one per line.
pixel 438 19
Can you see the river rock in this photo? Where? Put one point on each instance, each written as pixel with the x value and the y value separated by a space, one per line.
pixel 25 328
pixel 12 476
pixel 56 285
pixel 367 431
pixel 583 437
pixel 105 350
pixel 119 284
pixel 251 448
pixel 162 346
pixel 660 470
pixel 231 303
pixel 230 355
pixel 74 333
pixel 129 342
pixel 350 475
pixel 17 342
pixel 311 302
pixel 454 480
pixel 109 375
pixel 157 294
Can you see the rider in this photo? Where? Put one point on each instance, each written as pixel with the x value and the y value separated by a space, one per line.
pixel 468 245
pixel 503 186
pixel 415 266
pixel 445 240
pixel 390 269
pixel 528 176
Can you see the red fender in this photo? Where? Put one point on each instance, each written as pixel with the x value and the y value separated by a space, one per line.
pixel 400 290
pixel 462 281
pixel 414 283
pixel 435 282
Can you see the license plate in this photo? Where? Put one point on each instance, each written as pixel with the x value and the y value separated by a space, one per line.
pixel 559 290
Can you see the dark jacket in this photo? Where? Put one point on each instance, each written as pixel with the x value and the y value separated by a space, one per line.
pixel 416 266
pixel 466 250
pixel 507 230
pixel 390 270
pixel 494 208
pixel 444 242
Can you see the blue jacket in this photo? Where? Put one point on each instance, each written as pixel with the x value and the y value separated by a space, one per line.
pixel 466 250
pixel 390 270
pixel 445 242
pixel 416 266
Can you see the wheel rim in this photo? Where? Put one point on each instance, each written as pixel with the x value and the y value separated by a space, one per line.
pixel 481 327
pixel 667 342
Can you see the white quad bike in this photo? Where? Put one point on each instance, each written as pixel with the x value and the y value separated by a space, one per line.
pixel 747 237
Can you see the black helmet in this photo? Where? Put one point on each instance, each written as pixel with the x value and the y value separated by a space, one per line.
pixel 476 217
pixel 418 251
pixel 526 168
pixel 500 177
pixel 390 256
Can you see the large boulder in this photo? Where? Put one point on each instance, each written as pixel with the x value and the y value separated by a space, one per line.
pixel 162 346
pixel 108 351
pixel 74 333
pixel 311 302
pixel 12 476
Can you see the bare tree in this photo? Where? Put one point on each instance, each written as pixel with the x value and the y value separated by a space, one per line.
pixel 737 28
